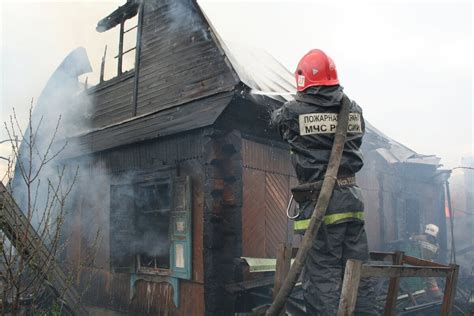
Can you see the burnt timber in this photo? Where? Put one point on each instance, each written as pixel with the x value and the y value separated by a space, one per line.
pixel 25 239
pixel 188 110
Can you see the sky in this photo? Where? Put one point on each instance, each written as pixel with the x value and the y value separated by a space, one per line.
pixel 407 63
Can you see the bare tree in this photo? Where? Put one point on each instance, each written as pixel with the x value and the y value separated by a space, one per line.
pixel 42 186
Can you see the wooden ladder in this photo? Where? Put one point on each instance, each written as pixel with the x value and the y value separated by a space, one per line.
pixel 16 226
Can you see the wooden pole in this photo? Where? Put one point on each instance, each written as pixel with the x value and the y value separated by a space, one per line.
pixel 393 286
pixel 283 265
pixel 450 291
pixel 138 51
pixel 102 65
pixel 350 287
pixel 120 49
pixel 319 211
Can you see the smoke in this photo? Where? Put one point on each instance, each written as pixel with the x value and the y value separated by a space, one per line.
pixel 462 193
pixel 181 16
pixel 139 217
pixel 61 110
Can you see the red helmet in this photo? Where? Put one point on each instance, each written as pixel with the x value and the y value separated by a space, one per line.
pixel 315 69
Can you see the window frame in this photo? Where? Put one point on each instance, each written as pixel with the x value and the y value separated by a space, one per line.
pixel 179 212
pixel 153 179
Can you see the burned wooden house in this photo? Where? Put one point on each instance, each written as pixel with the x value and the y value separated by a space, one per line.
pixel 182 174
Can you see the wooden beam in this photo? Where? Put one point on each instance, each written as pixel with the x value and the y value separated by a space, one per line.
pixel 137 58
pixel 283 264
pixel 450 290
pixel 392 294
pixel 350 287
pixel 421 263
pixel 102 65
pixel 120 49
pixel 402 271
pixel 382 256
pixel 18 229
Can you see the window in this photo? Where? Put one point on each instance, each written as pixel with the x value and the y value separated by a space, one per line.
pixel 154 197
pixel 119 57
pixel 127 45
pixel 152 210
pixel 150 225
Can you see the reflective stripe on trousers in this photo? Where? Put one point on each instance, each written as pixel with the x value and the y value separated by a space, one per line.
pixel 329 219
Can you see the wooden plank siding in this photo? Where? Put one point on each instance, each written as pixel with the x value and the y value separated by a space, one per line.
pixel 102 287
pixel 276 221
pixel 253 213
pixel 387 190
pixel 112 100
pixel 157 299
pixel 179 59
pixel 267 178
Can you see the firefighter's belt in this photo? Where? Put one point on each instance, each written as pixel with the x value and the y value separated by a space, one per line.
pixel 310 191
pixel 329 219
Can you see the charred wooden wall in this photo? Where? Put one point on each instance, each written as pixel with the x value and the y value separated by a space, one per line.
pixel 112 100
pixel 389 192
pixel 222 218
pixel 179 62
pixel 90 215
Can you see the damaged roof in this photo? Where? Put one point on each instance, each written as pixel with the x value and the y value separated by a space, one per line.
pixel 394 152
pixel 257 69
pixel 260 72
pixel 124 12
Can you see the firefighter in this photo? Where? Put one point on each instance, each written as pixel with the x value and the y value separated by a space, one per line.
pixel 308 124
pixel 428 243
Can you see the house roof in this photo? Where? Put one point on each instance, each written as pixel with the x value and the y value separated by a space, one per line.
pixel 266 76
pixel 184 117
pixel 124 12
pixel 394 152
pixel 258 70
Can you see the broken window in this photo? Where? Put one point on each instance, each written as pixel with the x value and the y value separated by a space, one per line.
pixel 122 222
pixel 120 57
pixel 153 208
pixel 127 45
pixel 150 225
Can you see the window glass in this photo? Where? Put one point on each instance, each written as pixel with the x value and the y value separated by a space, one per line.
pixel 153 197
pixel 152 211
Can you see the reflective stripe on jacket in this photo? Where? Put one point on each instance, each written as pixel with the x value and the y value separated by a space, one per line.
pixel 301 225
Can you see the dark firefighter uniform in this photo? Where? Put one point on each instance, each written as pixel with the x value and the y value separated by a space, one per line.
pixel 306 123
pixel 428 245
